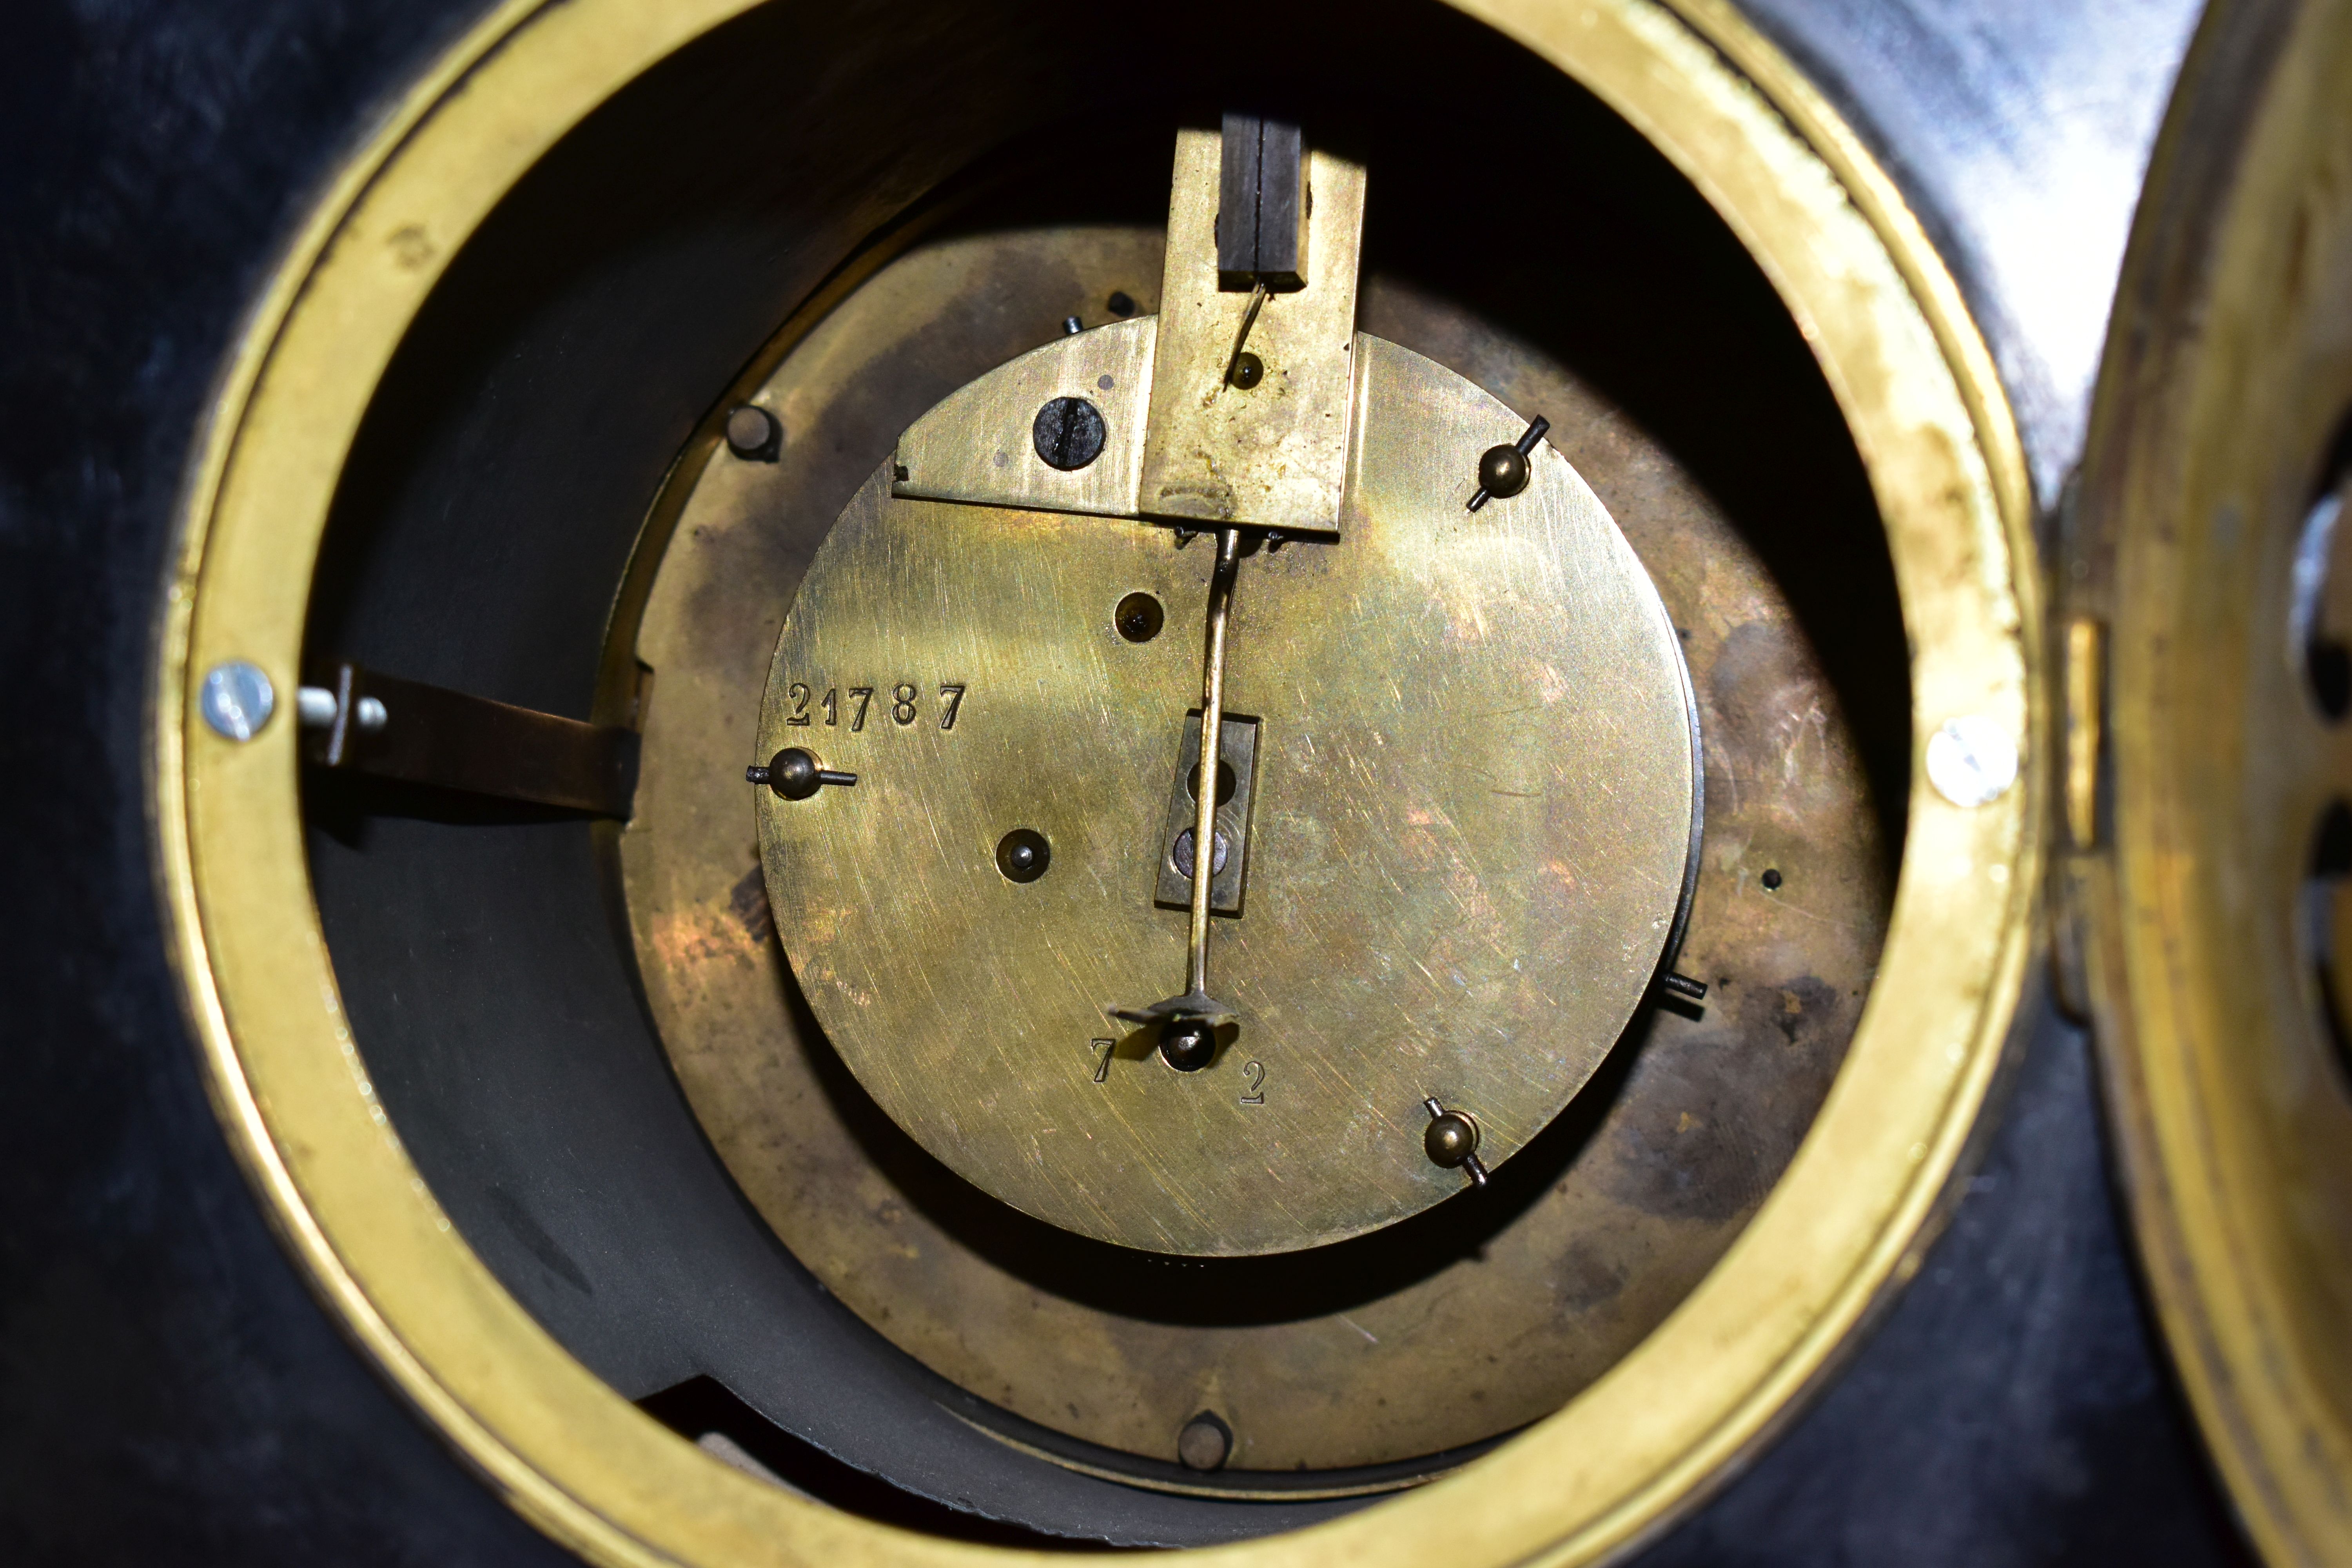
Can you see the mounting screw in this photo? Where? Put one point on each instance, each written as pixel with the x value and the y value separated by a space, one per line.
pixel 794 775
pixel 754 435
pixel 1972 760
pixel 1187 1044
pixel 1068 433
pixel 1181 856
pixel 1205 1443
pixel 1503 470
pixel 1451 1140
pixel 236 699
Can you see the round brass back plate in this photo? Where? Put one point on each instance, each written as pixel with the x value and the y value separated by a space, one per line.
pixel 1379 1350
pixel 1473 799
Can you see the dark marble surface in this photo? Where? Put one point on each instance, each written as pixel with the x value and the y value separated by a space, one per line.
pixel 169 1391
pixel 2018 128
pixel 2012 1408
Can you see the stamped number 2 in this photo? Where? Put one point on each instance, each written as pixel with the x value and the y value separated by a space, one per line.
pixel 1254 1082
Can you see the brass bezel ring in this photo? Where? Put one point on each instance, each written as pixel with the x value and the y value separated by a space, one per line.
pixel 2228 378
pixel 1847 1220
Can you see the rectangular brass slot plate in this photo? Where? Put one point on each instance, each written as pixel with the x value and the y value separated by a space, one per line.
pixel 1239 745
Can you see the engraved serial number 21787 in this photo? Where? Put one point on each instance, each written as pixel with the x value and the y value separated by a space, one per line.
pixel 903 705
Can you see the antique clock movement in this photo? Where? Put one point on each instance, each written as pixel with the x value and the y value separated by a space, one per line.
pixel 918 797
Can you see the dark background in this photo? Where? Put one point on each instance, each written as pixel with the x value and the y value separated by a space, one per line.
pixel 169 1391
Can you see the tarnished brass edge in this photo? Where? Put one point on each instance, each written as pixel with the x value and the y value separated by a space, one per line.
pixel 1912 1228
pixel 2085 675
pixel 616 676
pixel 1874 193
pixel 2278 1450
pixel 624 690
pixel 556 1511
pixel 1222 1494
pixel 285 1207
pixel 707 1519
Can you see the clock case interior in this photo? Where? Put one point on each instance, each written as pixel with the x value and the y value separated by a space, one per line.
pixel 491 535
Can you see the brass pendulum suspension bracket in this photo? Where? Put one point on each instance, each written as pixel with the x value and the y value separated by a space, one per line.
pixel 358 720
pixel 1234 407
pixel 1252 386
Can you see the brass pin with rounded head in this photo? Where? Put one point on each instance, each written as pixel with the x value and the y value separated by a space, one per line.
pixel 1451 1140
pixel 795 775
pixel 1023 855
pixel 1503 471
pixel 1188 1045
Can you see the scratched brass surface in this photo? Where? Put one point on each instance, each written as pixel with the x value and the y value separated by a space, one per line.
pixel 1381 1348
pixel 1472 818
pixel 976 445
pixel 1688 1394
pixel 1276 454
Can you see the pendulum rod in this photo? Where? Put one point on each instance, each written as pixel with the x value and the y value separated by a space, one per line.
pixel 1212 735
pixel 1187 1020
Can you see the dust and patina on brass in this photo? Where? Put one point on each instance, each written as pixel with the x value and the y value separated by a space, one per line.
pixel 1687 1393
pixel 1271 453
pixel 1653 1192
pixel 1234 405
pixel 2207 572
pixel 1645 1205
pixel 1475 792
pixel 963 589
pixel 980 444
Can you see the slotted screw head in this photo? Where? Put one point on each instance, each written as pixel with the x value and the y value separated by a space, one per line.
pixel 236 699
